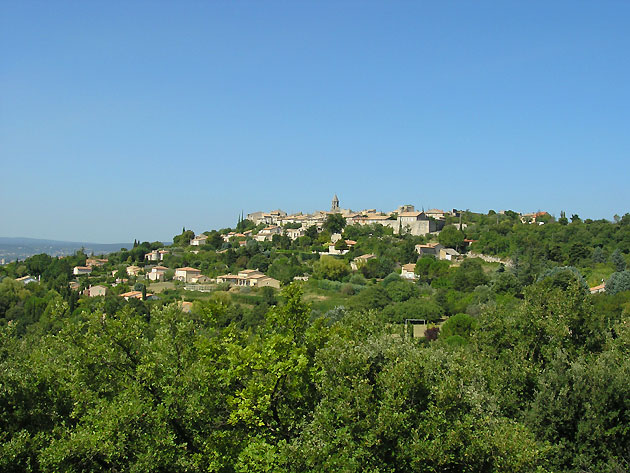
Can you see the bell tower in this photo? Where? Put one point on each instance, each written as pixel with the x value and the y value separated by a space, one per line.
pixel 335 204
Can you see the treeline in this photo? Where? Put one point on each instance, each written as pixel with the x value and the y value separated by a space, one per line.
pixel 537 387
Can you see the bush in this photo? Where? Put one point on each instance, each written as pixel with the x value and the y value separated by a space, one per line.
pixel 329 267
pixel 224 286
pixel 432 333
pixel 347 289
pixel 358 279
pixel 455 341
pixel 461 325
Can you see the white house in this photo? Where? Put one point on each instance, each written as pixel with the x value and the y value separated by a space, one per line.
pixel 407 271
pixel 199 240
pixel 79 270
pixel 295 233
pixel 156 255
pixel 26 279
pixel 157 273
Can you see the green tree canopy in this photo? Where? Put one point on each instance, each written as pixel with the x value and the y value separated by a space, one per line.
pixel 334 223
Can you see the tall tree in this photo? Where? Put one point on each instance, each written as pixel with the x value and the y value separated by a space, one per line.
pixel 334 223
pixel 618 260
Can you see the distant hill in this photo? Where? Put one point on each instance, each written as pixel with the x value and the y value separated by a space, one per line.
pixel 21 248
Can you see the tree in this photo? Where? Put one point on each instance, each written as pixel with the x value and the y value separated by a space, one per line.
pixel 184 238
pixel 563 220
pixel 401 290
pixel 451 237
pixel 311 232
pixel 469 275
pixel 459 324
pixel 341 245
pixel 618 260
pixel 328 267
pixel 244 224
pixel 377 268
pixel 618 282
pixel 334 223
pixel 371 298
pixel 598 255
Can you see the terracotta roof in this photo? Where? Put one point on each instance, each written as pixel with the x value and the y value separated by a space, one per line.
pixel 187 268
pixel 428 245
pixel 160 268
pixel 409 267
pixel 409 214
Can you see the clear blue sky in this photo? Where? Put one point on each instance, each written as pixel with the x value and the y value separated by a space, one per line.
pixel 123 120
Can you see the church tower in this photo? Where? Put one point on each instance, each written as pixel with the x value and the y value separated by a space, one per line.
pixel 335 204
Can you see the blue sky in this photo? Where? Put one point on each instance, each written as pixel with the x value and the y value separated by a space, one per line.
pixel 123 120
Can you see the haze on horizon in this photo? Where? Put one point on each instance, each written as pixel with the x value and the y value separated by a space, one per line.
pixel 131 120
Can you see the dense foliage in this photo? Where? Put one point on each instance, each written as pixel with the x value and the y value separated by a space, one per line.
pixel 522 370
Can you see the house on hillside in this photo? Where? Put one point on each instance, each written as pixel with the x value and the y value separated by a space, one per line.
pixel 157 273
pixel 598 289
pixel 199 240
pixel 27 279
pixel 201 279
pixel 448 254
pixel 435 213
pixel 417 223
pixel 186 274
pixel 359 261
pixel 156 255
pixel 95 291
pixel 431 249
pixel 249 278
pixel 295 233
pixel 533 217
pixel 81 270
pixel 267 233
pixel 133 270
pixel 408 271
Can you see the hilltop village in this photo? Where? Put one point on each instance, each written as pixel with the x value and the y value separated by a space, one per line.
pixel 337 340
pixel 341 246
pixel 403 220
